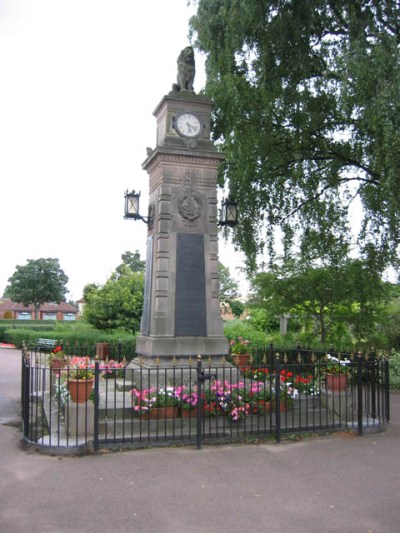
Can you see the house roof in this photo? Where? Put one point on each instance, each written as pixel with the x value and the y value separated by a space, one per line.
pixel 6 304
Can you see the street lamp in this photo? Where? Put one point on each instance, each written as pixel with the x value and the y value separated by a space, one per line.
pixel 132 208
pixel 229 213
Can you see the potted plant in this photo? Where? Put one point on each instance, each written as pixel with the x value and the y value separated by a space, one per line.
pixel 166 403
pixel 230 399
pixel 260 397
pixel 80 378
pixel 156 403
pixel 336 373
pixel 188 401
pixel 57 359
pixel 111 369
pixel 240 351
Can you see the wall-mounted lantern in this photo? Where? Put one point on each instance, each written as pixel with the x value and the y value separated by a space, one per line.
pixel 229 213
pixel 132 208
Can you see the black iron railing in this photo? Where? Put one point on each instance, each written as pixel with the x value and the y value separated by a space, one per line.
pixel 139 404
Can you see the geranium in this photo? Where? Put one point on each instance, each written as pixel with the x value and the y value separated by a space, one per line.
pixel 143 401
pixel 260 397
pixel 305 385
pixel 80 368
pixel 147 399
pixel 228 398
pixel 56 353
pixel 112 369
pixel 188 397
pixel 286 375
pixel 259 373
pixel 337 366
pixel 167 397
pixel 240 346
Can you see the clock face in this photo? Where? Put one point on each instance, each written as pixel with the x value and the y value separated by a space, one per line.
pixel 188 125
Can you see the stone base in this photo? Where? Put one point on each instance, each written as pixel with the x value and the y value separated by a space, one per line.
pixel 181 347
pixel 340 404
pixel 79 419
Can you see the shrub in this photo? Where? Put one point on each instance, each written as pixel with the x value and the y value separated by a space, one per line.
pixel 394 369
pixel 77 338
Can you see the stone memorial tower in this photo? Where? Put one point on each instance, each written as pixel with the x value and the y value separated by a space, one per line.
pixel 181 313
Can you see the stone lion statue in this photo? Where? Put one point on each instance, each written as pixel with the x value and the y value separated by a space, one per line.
pixel 186 70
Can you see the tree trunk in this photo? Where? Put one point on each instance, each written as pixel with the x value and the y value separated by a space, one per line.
pixel 323 328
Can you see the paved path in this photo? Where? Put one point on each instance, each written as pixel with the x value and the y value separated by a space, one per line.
pixel 330 484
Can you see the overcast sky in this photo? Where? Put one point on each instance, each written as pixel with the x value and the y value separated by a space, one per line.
pixel 80 80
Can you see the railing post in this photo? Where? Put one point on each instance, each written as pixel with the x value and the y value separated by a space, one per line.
pixel 372 378
pixel 387 388
pixel 119 351
pixel 359 394
pixel 277 399
pixel 271 351
pixel 199 401
pixel 96 407
pixel 25 408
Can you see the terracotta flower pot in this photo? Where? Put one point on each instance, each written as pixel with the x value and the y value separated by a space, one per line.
pixel 188 413
pixel 271 406
pixel 160 413
pixel 336 382
pixel 80 389
pixel 57 364
pixel 241 359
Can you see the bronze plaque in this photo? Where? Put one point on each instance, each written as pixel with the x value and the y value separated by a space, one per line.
pixel 190 296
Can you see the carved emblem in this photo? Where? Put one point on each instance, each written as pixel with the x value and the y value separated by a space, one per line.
pixel 190 204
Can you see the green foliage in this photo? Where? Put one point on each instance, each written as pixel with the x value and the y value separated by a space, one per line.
pixel 118 303
pixel 39 325
pixel 241 328
pixel 37 282
pixel 307 107
pixel 228 287
pixel 388 322
pixel 131 260
pixel 78 338
pixel 394 369
pixel 237 308
pixel 333 296
pixel 262 319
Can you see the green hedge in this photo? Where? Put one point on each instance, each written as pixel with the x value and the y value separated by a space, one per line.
pixel 79 340
pixel 28 324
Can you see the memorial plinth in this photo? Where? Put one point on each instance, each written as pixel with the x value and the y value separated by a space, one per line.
pixel 181 314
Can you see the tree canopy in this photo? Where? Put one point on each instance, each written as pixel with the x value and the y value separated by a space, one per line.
pixel 37 282
pixel 133 261
pixel 116 304
pixel 119 302
pixel 228 287
pixel 307 111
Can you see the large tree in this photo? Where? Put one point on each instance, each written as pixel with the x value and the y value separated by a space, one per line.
pixel 228 286
pixel 307 111
pixel 37 282
pixel 116 304
pixel 133 261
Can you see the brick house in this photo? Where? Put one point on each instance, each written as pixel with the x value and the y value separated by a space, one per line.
pixel 47 311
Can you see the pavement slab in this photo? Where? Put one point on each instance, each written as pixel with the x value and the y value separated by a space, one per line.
pixel 330 484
